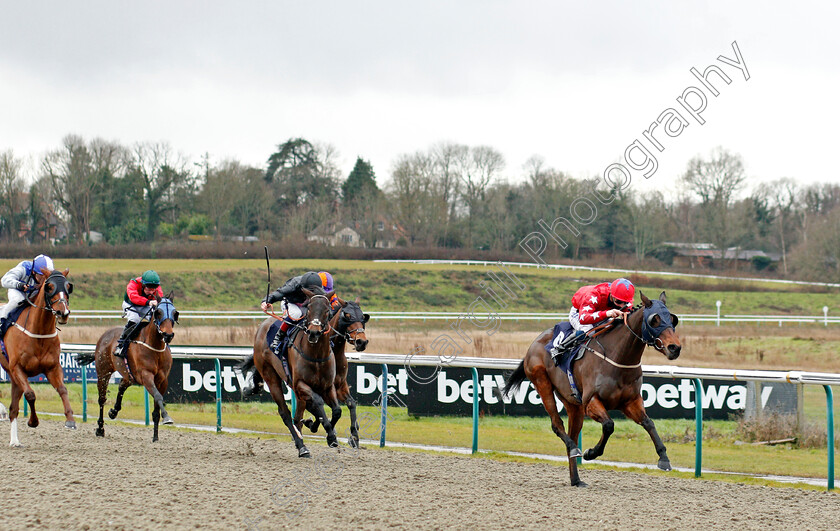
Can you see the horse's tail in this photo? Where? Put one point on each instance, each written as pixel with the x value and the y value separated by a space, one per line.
pixel 246 365
pixel 86 358
pixel 515 379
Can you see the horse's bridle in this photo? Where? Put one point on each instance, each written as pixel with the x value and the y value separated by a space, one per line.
pixel 63 295
pixel 349 336
pixel 656 343
pixel 324 327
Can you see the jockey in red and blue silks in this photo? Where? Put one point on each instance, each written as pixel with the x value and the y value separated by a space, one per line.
pixel 592 304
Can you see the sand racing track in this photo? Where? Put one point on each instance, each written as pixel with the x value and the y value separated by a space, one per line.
pixel 72 480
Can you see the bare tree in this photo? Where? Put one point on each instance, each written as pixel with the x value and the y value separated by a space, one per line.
pixel 225 186
pixel 477 169
pixel 12 204
pixel 163 172
pixel 74 182
pixel 716 181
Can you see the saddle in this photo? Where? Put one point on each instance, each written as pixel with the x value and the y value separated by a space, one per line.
pixel 280 345
pixel 9 321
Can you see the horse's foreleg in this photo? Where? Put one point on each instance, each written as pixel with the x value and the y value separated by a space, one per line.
pixel 28 395
pixel 312 401
pixel 596 411
pixel 575 412
pixel 335 407
pixel 635 410
pixel 275 387
pixel 56 377
pixel 148 380
pixel 124 384
pixel 14 409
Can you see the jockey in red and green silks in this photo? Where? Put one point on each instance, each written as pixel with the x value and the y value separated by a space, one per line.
pixel 141 297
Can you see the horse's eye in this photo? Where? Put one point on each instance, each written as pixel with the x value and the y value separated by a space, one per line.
pixel 346 315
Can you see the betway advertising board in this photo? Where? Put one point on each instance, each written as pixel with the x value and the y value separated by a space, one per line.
pixel 443 391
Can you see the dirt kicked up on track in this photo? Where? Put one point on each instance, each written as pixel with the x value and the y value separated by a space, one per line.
pixel 72 480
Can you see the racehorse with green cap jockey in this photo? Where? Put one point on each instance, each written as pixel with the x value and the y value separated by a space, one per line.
pixel 141 297
pixel 590 305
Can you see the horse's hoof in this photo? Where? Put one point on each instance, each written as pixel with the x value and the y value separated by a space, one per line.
pixel 154 439
pixel 580 484
pixel 332 441
pixel 353 442
pixel 33 423
pixel 112 414
pixel 15 445
pixel 100 432
pixel 167 420
pixel 589 455
pixel 70 424
pixel 574 452
pixel 304 452
pixel 664 464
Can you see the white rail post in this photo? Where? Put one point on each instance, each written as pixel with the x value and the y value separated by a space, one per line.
pixel 717 321
pixel 825 314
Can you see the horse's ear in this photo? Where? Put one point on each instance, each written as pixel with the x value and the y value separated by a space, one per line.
pixel 342 302
pixel 175 315
pixel 645 300
pixel 66 272
pixel 46 272
pixel 307 292
pixel 170 296
pixel 367 316
pixel 329 294
pixel 358 299
pixel 69 288
pixel 662 298
pixel 674 320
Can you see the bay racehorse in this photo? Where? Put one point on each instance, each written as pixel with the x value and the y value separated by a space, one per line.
pixel 609 377
pixel 31 347
pixel 347 326
pixel 148 361
pixel 312 368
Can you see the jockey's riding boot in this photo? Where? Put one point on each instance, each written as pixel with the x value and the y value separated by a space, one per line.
pixel 567 345
pixel 122 343
pixel 4 325
pixel 278 342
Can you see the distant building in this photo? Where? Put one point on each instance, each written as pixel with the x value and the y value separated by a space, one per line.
pixel 385 234
pixel 334 233
pixel 705 256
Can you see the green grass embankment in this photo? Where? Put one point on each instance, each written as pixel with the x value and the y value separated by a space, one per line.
pixel 240 284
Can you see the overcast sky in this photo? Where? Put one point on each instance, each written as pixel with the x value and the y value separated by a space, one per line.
pixel 573 83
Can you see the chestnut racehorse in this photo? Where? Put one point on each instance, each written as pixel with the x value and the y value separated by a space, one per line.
pixel 609 377
pixel 348 326
pixel 149 361
pixel 33 347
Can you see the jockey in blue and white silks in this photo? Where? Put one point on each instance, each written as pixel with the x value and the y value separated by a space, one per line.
pixel 22 278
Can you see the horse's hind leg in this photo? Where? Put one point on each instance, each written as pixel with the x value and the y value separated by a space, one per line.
pixel 28 395
pixel 347 398
pixel 124 384
pixel 597 412
pixel 635 410
pixel 102 387
pixel 56 377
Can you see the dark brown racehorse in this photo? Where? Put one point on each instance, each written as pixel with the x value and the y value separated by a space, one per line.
pixel 33 347
pixel 608 376
pixel 347 326
pixel 312 366
pixel 149 361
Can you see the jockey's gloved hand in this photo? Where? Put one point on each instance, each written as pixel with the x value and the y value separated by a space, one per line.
pixel 22 286
pixel 153 303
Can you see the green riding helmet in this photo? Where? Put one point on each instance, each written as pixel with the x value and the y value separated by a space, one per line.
pixel 150 278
